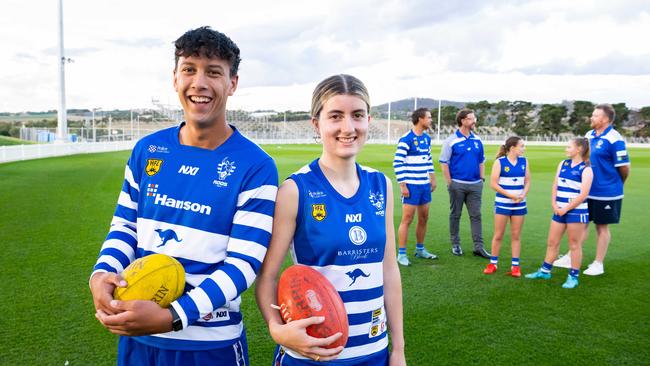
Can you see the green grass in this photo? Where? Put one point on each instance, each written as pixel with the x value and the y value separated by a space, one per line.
pixel 55 214
pixel 5 140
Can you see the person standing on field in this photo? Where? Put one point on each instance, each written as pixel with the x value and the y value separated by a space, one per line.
pixel 209 189
pixel 462 160
pixel 415 175
pixel 611 165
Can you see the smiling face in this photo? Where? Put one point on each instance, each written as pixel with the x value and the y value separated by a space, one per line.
pixel 343 125
pixel 203 85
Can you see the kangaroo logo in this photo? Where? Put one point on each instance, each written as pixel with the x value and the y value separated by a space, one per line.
pixel 167 235
pixel 356 273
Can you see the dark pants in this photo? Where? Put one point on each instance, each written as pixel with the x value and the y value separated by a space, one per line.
pixel 470 195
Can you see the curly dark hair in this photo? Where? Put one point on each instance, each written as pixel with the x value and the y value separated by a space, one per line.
pixel 207 42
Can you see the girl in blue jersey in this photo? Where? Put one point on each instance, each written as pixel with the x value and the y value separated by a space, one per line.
pixel 570 213
pixel 337 217
pixel 510 178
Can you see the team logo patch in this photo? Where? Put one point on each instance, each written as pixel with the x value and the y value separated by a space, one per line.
pixel 224 170
pixel 153 166
pixel 476 144
pixel 377 200
pixel 318 211
pixel 357 235
pixel 507 169
pixel 167 235
pixel 378 323
pixel 354 274
pixel 599 144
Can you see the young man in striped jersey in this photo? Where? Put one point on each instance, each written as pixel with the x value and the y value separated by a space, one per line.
pixel 414 172
pixel 211 192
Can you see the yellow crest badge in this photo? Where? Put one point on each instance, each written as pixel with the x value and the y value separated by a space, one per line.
pixel 318 211
pixel 153 166
pixel 507 169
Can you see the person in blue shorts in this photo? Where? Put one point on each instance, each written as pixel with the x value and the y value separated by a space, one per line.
pixel 204 194
pixel 415 175
pixel 510 178
pixel 611 164
pixel 570 212
pixel 336 216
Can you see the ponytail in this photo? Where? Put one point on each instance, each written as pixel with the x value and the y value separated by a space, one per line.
pixel 511 142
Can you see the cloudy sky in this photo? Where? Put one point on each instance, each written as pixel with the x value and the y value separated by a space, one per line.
pixel 541 51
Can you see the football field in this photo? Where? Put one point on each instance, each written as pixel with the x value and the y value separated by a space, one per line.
pixel 56 212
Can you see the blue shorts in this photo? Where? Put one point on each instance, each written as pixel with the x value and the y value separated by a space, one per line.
pixel 132 352
pixel 572 218
pixel 509 212
pixel 419 194
pixel 380 358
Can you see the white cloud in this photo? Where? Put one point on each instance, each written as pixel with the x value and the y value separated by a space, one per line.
pixel 531 50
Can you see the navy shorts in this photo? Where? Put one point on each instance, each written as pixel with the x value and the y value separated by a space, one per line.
pixel 132 352
pixel 419 194
pixel 605 212
pixel 509 212
pixel 380 358
pixel 572 218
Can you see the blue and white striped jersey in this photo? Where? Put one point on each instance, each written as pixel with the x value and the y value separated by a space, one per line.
pixel 412 161
pixel 511 179
pixel 608 152
pixel 568 187
pixel 212 210
pixel 345 239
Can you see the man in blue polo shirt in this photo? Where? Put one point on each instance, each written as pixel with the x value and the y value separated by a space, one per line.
pixel 611 165
pixel 462 159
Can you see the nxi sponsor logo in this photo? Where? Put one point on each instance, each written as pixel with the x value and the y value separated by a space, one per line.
pixel 188 170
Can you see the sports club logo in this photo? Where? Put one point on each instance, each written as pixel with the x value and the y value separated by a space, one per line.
pixel 355 274
pixel 153 166
pixel 476 144
pixel 318 211
pixel 378 323
pixel 224 170
pixel 167 235
pixel 599 144
pixel 377 201
pixel 507 169
pixel 357 235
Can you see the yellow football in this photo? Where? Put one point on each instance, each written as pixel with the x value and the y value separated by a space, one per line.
pixel 156 277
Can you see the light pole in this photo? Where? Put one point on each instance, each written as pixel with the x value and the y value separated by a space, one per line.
pixel 94 132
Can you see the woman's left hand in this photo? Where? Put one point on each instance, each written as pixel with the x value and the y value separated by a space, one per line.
pixel 397 358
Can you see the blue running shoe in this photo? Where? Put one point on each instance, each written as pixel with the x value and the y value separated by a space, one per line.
pixel 422 253
pixel 539 274
pixel 571 282
pixel 403 260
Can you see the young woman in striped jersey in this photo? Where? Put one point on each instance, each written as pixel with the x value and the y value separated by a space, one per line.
pixel 510 178
pixel 570 212
pixel 337 217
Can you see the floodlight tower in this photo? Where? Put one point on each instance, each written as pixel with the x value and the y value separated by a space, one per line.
pixel 62 125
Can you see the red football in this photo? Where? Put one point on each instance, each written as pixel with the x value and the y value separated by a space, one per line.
pixel 303 292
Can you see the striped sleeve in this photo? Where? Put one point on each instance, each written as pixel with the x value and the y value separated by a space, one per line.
pixel 399 162
pixel 119 248
pixel 247 245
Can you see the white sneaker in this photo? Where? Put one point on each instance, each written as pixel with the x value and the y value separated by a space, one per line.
pixel 563 262
pixel 596 268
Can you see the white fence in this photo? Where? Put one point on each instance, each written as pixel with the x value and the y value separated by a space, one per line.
pixel 37 151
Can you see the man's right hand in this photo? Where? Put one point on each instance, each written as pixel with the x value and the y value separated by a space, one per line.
pixel 404 190
pixel 102 285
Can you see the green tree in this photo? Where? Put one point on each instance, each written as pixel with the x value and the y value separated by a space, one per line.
pixel 644 113
pixel 521 118
pixel 551 118
pixel 502 108
pixel 481 109
pixel 579 119
pixel 622 115
pixel 447 115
